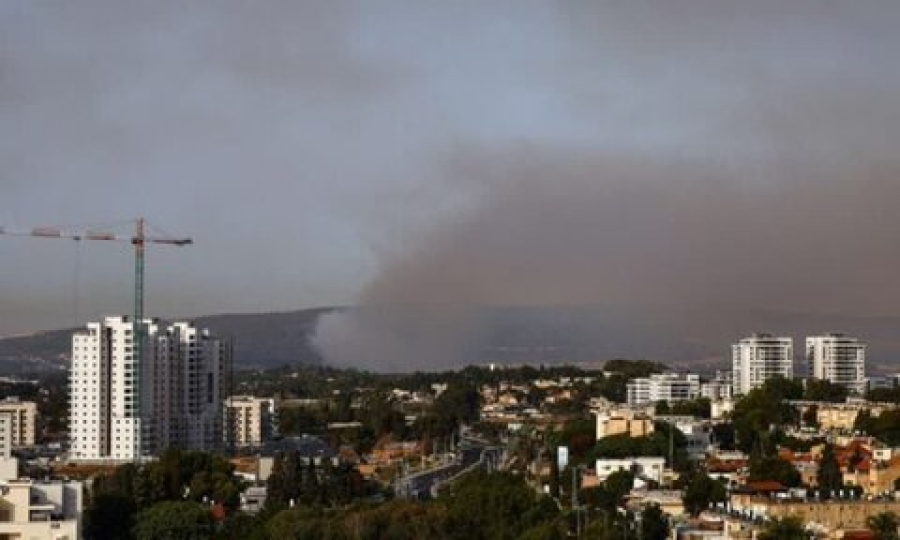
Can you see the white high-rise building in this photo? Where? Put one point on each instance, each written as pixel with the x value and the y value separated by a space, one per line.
pixel 761 357
pixel 838 359
pixel 668 387
pixel 180 386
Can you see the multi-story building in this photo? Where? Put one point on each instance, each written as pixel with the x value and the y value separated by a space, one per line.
pixel 37 509
pixel 761 357
pixel 9 466
pixel 249 421
pixel 120 410
pixel 838 359
pixel 718 389
pixel 23 417
pixel 668 387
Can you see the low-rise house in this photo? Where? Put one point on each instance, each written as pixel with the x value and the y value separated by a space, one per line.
pixel 623 421
pixel 647 468
pixel 669 501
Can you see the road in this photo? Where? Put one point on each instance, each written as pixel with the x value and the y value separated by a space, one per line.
pixel 472 454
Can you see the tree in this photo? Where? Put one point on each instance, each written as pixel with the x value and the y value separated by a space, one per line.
pixel 829 477
pixel 653 524
pixel 700 491
pixel 810 416
pixel 789 528
pixel 884 526
pixel 774 469
pixel 619 484
pixel 662 408
pixel 172 520
pixel 482 506
pixel 700 407
pixel 824 390
pixel 760 411
pixel 109 516
pixel 579 436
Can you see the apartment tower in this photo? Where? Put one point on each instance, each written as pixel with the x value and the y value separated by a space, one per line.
pixel 173 399
pixel 758 358
pixel 838 359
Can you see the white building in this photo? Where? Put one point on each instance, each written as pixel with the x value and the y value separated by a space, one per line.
pixel 250 421
pixel 173 400
pixel 668 387
pixel 838 359
pixel 651 468
pixel 761 357
pixel 720 388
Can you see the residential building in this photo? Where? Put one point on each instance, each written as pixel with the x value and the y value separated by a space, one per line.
pixel 720 388
pixel 9 466
pixel 31 509
pixel 23 416
pixel 632 423
pixel 697 432
pixel 760 357
pixel 838 359
pixel 720 410
pixel 122 411
pixel 647 468
pixel 668 387
pixel 250 421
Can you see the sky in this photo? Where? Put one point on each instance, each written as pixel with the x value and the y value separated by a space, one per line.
pixel 648 156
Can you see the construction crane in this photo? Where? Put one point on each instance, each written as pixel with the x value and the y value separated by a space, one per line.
pixel 139 240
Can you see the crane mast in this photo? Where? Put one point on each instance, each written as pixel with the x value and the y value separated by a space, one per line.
pixel 139 241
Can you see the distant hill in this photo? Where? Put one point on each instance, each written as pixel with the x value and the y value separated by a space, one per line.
pixel 261 340
pixel 697 341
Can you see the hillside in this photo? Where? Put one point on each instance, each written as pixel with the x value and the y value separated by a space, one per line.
pixel 261 340
pixel 519 335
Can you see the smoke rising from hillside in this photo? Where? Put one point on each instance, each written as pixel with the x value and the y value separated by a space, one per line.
pixel 747 165
pixel 645 240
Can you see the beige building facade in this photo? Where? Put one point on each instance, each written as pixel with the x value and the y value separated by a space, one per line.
pixel 32 510
pixel 631 423
pixel 250 420
pixel 23 421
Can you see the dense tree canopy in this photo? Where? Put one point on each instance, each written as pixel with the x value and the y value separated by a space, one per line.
pixel 884 526
pixel 700 491
pixel 824 390
pixel 758 415
pixel 885 427
pixel 789 528
pixel 773 469
pixel 174 520
pixel 829 476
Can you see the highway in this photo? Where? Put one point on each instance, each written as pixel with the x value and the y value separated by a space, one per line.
pixel 424 485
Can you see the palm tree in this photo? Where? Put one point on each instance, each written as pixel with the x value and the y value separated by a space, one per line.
pixel 884 525
pixel 789 528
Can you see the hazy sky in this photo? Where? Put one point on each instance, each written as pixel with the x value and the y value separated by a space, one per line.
pixel 631 153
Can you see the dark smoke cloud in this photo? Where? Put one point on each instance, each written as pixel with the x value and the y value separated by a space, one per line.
pixel 644 239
